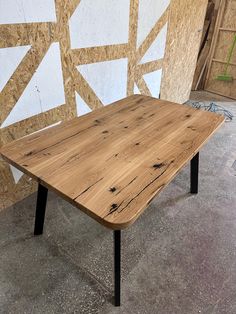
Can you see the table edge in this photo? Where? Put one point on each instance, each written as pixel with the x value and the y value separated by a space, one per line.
pixel 88 212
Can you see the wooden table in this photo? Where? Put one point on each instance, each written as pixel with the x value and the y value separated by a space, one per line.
pixel 113 161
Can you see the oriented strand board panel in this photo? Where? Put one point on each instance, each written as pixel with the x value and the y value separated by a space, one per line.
pixel 63 58
pixel 223 45
pixel 224 36
pixel 186 20
pixel 229 19
pixel 59 59
pixel 221 87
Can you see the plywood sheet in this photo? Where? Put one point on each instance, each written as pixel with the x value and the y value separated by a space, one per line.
pixel 229 20
pixel 221 87
pixel 186 22
pixel 224 34
pixel 223 46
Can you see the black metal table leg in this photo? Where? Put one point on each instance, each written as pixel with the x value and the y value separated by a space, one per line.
pixel 194 174
pixel 40 209
pixel 117 259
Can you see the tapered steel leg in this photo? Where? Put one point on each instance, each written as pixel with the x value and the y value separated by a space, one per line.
pixel 40 209
pixel 194 174
pixel 117 259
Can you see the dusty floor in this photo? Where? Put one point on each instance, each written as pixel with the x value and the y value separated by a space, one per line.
pixel 178 258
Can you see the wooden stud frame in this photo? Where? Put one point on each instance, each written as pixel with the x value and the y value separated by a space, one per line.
pixel 225 29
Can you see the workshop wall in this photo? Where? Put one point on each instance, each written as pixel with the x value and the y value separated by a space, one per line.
pixel 60 59
pixel 223 43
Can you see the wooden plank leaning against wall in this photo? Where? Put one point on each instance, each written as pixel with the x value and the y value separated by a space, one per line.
pixel 185 26
pixel 185 31
pixel 223 38
pixel 205 46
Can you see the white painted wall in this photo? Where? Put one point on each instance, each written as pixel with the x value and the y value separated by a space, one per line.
pixel 157 49
pixel 10 58
pixel 27 11
pixel 44 91
pixel 81 106
pixel 100 23
pixel 108 79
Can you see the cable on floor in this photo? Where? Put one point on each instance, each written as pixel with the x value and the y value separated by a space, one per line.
pixel 213 107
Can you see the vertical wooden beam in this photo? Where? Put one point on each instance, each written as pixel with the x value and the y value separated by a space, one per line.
pixel 219 18
pixel 64 10
pixel 186 20
pixel 133 29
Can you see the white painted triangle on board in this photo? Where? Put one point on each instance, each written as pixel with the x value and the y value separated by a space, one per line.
pixel 145 24
pixel 81 106
pixel 44 91
pixel 136 89
pixel 108 79
pixel 17 174
pixel 153 81
pixel 99 23
pixel 27 11
pixel 10 58
pixel 157 49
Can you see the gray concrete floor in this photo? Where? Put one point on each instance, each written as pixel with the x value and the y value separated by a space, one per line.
pixel 179 257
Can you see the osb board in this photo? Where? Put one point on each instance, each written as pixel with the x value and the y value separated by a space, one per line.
pixel 225 40
pixel 229 20
pixel 224 34
pixel 221 87
pixel 186 22
pixel 9 192
pixel 40 36
pixel 217 3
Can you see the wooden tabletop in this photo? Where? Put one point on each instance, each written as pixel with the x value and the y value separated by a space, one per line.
pixel 111 162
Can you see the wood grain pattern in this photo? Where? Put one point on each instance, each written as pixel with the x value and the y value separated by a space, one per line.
pixel 132 52
pixel 98 54
pixel 112 162
pixel 186 20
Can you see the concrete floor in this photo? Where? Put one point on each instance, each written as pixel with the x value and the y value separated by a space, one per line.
pixel 202 95
pixel 179 257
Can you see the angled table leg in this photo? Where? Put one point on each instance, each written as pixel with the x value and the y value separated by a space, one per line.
pixel 194 174
pixel 40 209
pixel 117 259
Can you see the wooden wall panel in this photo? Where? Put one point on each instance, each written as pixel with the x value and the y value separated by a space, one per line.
pixel 220 87
pixel 186 22
pixel 184 32
pixel 223 45
pixel 224 35
pixel 229 19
